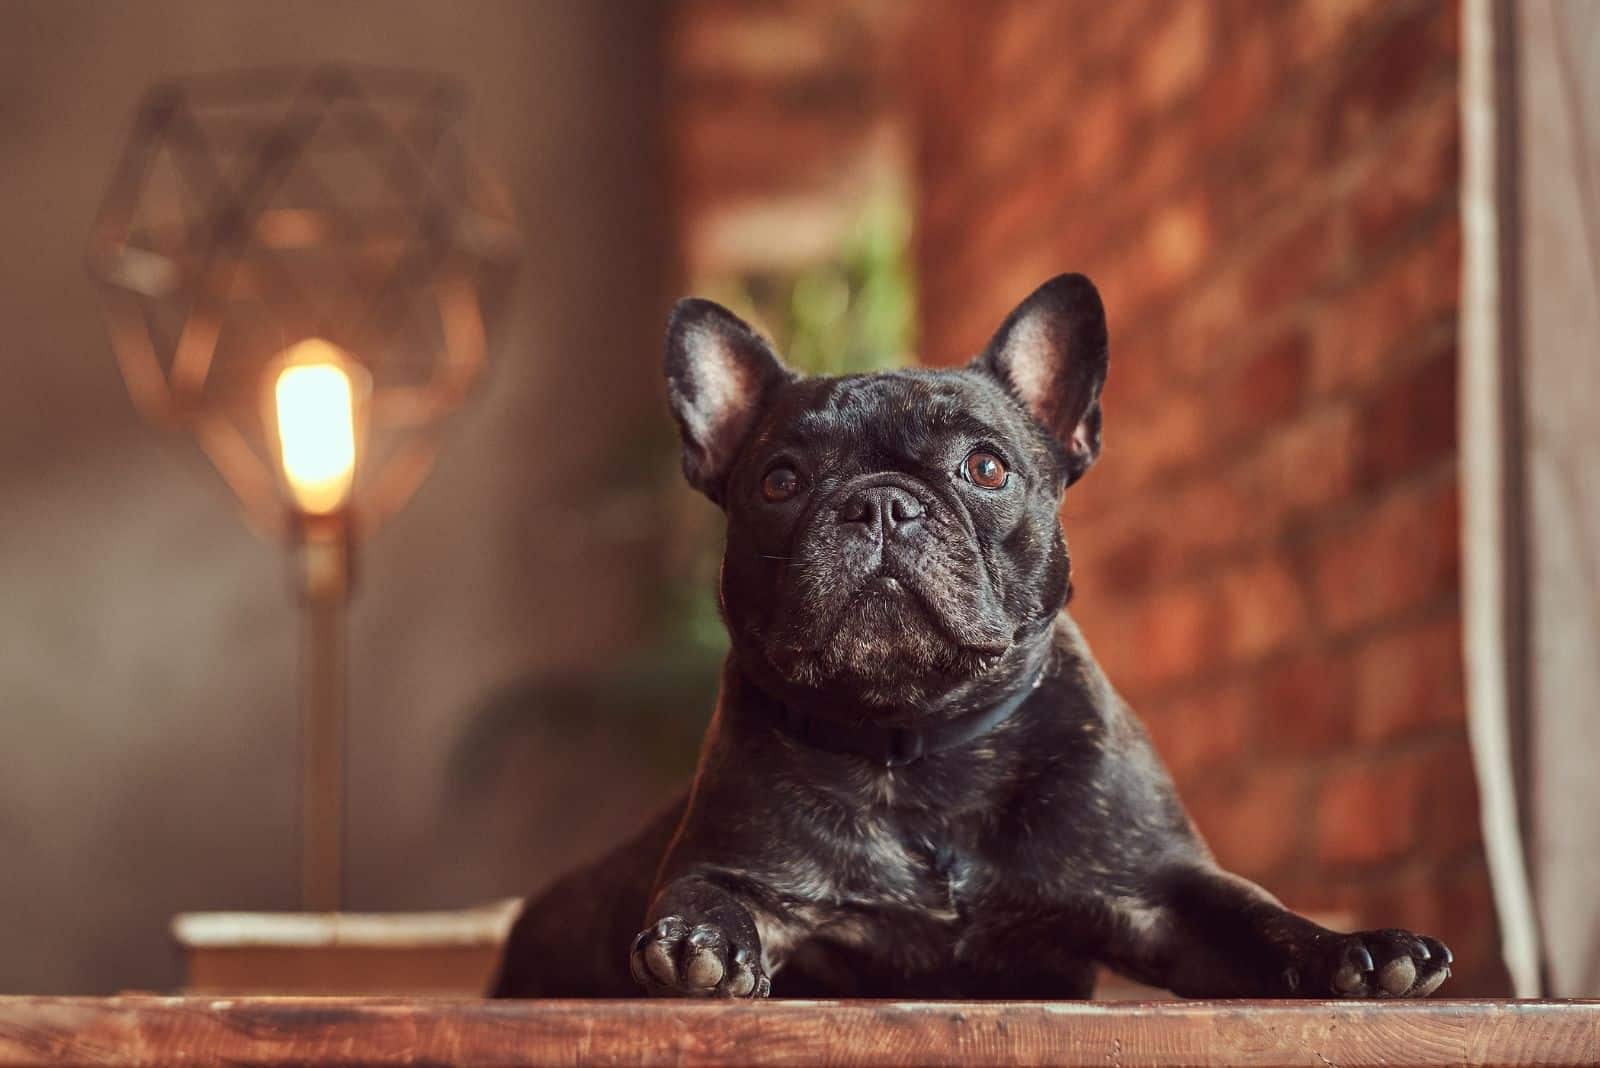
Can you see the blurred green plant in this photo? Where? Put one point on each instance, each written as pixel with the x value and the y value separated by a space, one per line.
pixel 847 315
pixel 853 313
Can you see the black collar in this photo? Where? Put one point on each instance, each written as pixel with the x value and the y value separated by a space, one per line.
pixel 895 747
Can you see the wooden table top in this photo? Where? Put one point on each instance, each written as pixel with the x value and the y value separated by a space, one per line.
pixel 384 1031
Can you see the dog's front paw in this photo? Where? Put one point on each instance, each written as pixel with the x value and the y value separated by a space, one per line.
pixel 675 958
pixel 1381 964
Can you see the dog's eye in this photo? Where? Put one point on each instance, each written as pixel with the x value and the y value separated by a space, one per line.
pixel 986 469
pixel 780 484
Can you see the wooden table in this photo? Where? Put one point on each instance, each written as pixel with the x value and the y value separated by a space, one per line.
pixel 309 1031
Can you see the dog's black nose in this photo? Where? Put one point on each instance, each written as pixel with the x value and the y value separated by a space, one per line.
pixel 886 508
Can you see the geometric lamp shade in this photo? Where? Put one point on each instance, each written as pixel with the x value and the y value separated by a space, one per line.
pixel 257 214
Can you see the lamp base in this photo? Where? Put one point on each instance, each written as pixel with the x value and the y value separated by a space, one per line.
pixel 451 953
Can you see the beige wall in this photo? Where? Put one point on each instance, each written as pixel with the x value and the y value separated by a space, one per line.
pixel 147 641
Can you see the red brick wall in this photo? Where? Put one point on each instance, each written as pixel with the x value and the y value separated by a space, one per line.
pixel 1267 552
pixel 782 118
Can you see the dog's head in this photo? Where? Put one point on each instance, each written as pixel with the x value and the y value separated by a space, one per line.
pixel 894 548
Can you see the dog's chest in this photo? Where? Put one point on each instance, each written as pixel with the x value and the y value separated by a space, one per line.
pixel 908 867
pixel 877 862
pixel 894 915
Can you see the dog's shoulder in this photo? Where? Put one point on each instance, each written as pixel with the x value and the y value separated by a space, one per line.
pixel 1093 773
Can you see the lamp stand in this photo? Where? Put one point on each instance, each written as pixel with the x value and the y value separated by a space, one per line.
pixel 322 557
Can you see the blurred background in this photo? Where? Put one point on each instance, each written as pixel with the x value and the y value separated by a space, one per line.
pixel 1340 551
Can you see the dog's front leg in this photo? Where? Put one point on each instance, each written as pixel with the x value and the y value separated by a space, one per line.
pixel 1204 932
pixel 701 941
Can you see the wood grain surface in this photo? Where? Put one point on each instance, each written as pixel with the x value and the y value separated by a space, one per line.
pixel 309 1031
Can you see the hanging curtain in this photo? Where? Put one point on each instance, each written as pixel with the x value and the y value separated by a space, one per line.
pixel 1530 385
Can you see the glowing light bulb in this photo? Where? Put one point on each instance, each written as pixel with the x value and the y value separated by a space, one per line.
pixel 315 407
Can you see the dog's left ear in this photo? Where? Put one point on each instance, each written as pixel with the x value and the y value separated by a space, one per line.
pixel 1051 354
pixel 719 372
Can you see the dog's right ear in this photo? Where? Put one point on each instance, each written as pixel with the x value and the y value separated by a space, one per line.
pixel 1051 354
pixel 719 372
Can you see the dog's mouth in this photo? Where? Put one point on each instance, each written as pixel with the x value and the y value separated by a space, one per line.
pixel 889 631
pixel 916 608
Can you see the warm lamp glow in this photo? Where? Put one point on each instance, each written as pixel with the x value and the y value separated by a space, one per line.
pixel 315 407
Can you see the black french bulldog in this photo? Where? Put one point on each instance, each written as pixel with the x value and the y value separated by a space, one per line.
pixel 917 781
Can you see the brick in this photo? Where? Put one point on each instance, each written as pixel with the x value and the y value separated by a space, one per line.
pixel 1217 518
pixel 1016 37
pixel 1112 551
pixel 1033 121
pixel 1254 820
pixel 1138 375
pixel 1390 559
pixel 1177 241
pixel 1407 897
pixel 1175 634
pixel 758 45
pixel 781 150
pixel 1409 680
pixel 1262 609
pixel 1295 265
pixel 1174 434
pixel 1452 827
pixel 1417 804
pixel 1278 170
pixel 1319 27
pixel 1167 156
pixel 1305 467
pixel 1198 731
pixel 1417 175
pixel 1111 627
pixel 996 230
pixel 1413 52
pixel 1370 812
pixel 1097 133
pixel 1144 643
pixel 1230 107
pixel 1124 285
pixel 1104 32
pixel 1208 325
pixel 1129 566
pixel 1265 388
pixel 1451 35
pixel 1081 241
pixel 1306 704
pixel 1174 56
pixel 1412 422
pixel 1372 330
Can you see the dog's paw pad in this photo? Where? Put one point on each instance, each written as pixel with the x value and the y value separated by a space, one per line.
pixel 1397 976
pixel 1388 964
pixel 671 957
pixel 702 958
